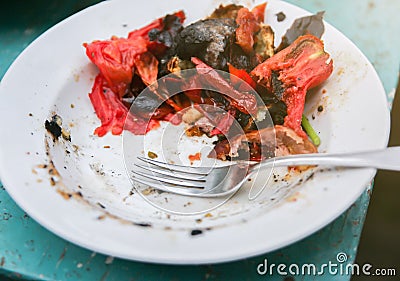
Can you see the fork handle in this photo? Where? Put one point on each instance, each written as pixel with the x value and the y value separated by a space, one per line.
pixel 384 159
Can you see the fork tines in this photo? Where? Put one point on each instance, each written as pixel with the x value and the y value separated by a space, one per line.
pixel 153 172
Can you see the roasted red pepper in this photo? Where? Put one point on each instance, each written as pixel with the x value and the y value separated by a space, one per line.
pixel 113 114
pixel 194 95
pixel 291 72
pixel 249 24
pixel 146 67
pixel 244 102
pixel 115 60
pixel 240 75
pixel 259 11
pixel 118 59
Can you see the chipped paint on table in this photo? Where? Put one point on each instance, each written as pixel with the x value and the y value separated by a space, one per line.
pixel 28 251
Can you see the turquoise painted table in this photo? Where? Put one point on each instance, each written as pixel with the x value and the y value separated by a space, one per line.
pixel 28 251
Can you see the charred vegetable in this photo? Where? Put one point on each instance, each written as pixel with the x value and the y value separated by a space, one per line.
pixel 207 40
pixel 291 72
pixel 233 38
pixel 264 143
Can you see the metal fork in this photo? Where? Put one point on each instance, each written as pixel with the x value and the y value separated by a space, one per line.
pixel 225 180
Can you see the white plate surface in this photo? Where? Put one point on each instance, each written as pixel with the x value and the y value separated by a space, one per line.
pixel 54 75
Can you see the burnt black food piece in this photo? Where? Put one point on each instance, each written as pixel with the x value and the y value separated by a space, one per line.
pixel 135 88
pixel 145 105
pixel 196 232
pixel 172 26
pixel 166 36
pixel 280 16
pixel 276 108
pixel 53 128
pixel 277 85
pixel 236 56
pixel 150 106
pixel 207 40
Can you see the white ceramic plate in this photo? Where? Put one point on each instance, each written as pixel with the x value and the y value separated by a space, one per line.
pixel 54 75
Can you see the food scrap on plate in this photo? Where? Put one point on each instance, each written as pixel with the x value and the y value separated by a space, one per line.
pixel 233 39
